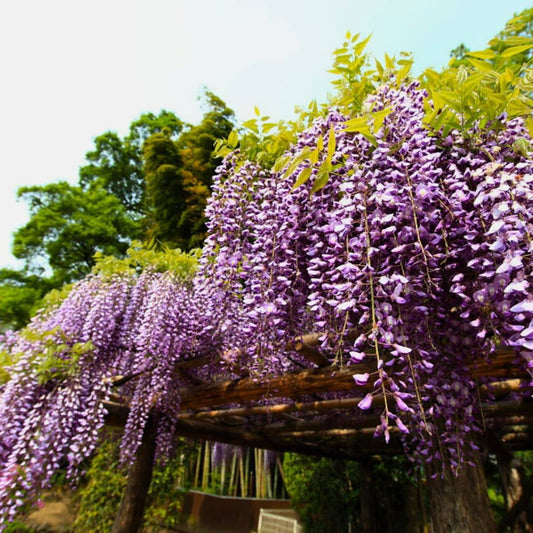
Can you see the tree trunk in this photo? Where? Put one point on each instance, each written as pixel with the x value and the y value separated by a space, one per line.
pixel 415 509
pixel 517 492
pixel 460 503
pixel 131 510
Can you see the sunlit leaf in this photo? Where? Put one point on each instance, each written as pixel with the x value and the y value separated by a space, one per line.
pixel 380 116
pixel 481 65
pixel 483 54
pixel 322 177
pixel 302 177
pixel 515 50
pixel 331 143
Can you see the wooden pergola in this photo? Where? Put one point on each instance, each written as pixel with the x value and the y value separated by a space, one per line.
pixel 287 413
pixel 298 412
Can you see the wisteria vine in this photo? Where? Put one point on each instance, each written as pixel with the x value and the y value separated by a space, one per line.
pixel 417 251
pixel 415 255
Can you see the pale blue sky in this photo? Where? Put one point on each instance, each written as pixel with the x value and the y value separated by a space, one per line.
pixel 70 70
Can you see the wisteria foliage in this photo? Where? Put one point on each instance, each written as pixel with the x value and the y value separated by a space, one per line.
pixel 51 408
pixel 415 255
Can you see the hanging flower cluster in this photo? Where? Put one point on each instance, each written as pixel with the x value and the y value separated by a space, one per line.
pixel 397 247
pixel 415 254
pixel 51 409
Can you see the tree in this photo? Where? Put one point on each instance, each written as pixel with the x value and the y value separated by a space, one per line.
pixel 20 294
pixel 197 144
pixel 108 209
pixel 117 163
pixel 397 228
pixel 165 190
pixel 179 175
pixel 67 226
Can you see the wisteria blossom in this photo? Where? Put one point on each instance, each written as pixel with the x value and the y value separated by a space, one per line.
pixel 414 256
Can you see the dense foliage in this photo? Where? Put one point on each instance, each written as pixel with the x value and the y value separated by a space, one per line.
pixel 126 191
pixel 397 226
pixel 413 248
pixel 104 483
pixel 324 492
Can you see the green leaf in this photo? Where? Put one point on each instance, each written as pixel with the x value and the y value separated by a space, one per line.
pixel 320 143
pixel 515 50
pixel 361 46
pixel 313 156
pixel 480 65
pixel 302 177
pixel 267 126
pixel 251 125
pixel 322 176
pixel 300 158
pixel 517 40
pixel 379 117
pixel 233 139
pixel 358 124
pixel 517 107
pixel 522 146
pixel 281 162
pixel 483 54
pixel 529 125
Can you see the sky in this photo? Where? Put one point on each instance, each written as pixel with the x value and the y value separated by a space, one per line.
pixel 71 70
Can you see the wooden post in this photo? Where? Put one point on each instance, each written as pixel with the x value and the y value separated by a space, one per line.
pixel 460 503
pixel 130 515
pixel 367 496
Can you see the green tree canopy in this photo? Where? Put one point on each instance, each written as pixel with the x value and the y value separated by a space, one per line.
pixel 117 163
pixel 109 207
pixel 179 174
pixel 67 226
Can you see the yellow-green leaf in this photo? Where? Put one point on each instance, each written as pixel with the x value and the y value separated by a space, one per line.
pixel 480 65
pixel 358 124
pixel 251 125
pixel 379 117
pixel 267 126
pixel 516 40
pixel 302 156
pixel 281 162
pixel 233 139
pixel 313 156
pixel 517 107
pixel 359 47
pixel 529 125
pixel 302 177
pixel 515 50
pixel 320 143
pixel 522 146
pixel 322 177
pixel 483 54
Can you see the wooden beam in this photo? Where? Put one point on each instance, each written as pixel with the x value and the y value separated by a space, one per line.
pixel 272 410
pixel 290 385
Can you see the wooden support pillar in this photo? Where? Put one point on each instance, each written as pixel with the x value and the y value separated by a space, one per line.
pixel 460 503
pixel 130 515
pixel 367 491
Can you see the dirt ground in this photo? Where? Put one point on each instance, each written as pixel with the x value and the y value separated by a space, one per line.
pixel 55 516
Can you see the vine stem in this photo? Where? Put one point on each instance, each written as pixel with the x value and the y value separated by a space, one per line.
pixel 373 313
